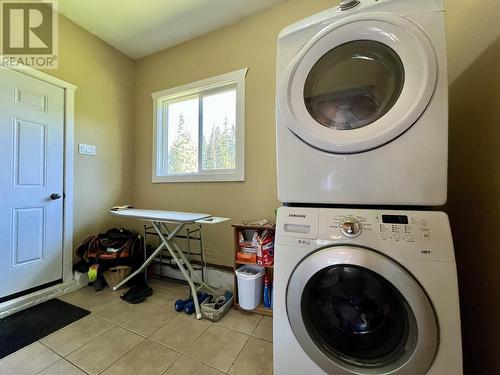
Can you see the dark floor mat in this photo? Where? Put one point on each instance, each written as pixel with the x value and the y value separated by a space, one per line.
pixel 27 326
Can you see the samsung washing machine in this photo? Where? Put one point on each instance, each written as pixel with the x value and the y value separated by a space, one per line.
pixel 362 113
pixel 365 292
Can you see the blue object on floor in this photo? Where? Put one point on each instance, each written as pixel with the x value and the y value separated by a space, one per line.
pixel 180 304
pixel 189 308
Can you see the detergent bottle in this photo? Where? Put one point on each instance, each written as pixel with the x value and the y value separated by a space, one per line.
pixel 267 292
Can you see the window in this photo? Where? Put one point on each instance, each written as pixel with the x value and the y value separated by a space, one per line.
pixel 199 130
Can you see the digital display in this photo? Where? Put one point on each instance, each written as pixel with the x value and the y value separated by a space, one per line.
pixel 394 219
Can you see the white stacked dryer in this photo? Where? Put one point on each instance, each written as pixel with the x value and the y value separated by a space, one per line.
pixel 362 115
pixel 362 120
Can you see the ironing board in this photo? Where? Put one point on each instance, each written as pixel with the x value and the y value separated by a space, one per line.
pixel 159 219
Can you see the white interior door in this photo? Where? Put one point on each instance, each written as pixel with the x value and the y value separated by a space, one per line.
pixel 31 182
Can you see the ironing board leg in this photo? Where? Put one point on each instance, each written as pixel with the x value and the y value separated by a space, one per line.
pixel 170 241
pixel 190 267
pixel 144 265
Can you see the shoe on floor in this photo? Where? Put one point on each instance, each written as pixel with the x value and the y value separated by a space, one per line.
pixel 137 294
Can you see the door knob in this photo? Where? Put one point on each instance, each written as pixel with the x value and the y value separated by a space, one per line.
pixel 55 196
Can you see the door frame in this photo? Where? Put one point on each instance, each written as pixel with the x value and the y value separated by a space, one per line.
pixel 68 283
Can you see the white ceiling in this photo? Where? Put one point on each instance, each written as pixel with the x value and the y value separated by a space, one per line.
pixel 141 27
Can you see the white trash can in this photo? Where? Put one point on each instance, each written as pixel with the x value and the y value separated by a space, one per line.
pixel 250 283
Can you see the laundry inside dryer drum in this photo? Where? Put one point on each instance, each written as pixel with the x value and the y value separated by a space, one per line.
pixel 354 84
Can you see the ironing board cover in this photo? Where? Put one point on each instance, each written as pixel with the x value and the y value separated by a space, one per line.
pixel 158 215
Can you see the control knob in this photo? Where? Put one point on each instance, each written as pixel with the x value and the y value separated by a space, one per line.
pixel 348 4
pixel 350 227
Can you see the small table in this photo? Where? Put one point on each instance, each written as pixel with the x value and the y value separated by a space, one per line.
pixel 159 219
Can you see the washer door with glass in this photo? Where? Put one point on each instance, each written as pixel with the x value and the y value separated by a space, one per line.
pixel 354 311
pixel 358 84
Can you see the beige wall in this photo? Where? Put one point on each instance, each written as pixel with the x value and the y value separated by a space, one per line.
pixel 249 43
pixel 103 117
pixel 474 175
pixel 106 112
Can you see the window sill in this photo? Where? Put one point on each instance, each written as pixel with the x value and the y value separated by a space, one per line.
pixel 207 177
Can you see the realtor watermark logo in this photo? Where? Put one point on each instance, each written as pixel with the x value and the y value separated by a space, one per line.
pixel 29 34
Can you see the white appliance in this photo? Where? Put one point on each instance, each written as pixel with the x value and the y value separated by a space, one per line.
pixel 362 105
pixel 360 291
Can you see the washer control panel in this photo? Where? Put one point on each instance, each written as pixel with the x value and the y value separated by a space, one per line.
pixel 392 228
pixel 419 235
pixel 406 228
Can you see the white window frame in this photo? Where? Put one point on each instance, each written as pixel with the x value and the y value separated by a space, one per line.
pixel 237 79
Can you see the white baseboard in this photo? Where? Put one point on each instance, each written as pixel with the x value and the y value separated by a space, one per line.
pixel 10 307
pixel 214 277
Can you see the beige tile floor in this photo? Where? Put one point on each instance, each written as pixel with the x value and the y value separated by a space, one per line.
pixel 149 338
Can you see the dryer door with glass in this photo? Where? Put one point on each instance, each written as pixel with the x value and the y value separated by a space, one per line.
pixel 358 84
pixel 354 311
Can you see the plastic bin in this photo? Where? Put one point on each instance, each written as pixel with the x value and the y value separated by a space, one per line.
pixel 250 283
pixel 212 314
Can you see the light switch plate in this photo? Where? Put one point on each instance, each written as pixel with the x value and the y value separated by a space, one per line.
pixel 84 149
